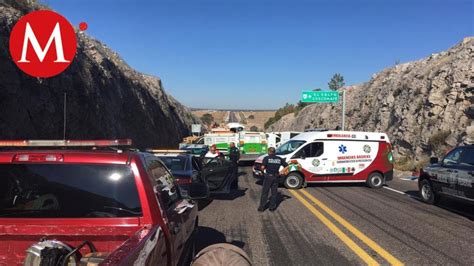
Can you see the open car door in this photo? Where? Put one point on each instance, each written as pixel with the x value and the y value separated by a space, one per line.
pixel 216 172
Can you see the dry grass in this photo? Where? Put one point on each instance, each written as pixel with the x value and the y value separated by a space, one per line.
pixel 218 115
pixel 260 118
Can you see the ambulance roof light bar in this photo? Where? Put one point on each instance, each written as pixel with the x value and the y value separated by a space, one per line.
pixel 65 143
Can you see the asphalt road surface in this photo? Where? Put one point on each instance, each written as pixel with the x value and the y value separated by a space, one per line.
pixel 233 117
pixel 340 225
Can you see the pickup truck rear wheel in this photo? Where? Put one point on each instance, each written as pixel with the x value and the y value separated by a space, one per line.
pixel 427 193
pixel 293 181
pixel 375 180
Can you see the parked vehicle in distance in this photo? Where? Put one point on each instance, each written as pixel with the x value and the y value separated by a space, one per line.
pixel 336 157
pixel 221 139
pixel 453 176
pixel 251 144
pixel 187 169
pixel 66 203
pixel 275 139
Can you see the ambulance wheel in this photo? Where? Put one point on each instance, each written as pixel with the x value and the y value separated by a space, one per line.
pixel 375 180
pixel 293 181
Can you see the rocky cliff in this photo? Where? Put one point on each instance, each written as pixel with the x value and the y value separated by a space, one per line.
pixel 106 98
pixel 425 106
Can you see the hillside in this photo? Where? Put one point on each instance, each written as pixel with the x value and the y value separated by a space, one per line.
pixel 426 106
pixel 106 98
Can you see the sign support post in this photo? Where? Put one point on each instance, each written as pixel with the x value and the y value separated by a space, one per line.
pixel 343 109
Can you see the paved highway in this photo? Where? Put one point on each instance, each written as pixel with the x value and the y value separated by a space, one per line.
pixel 233 117
pixel 341 225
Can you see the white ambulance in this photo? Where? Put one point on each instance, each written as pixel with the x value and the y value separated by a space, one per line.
pixel 337 157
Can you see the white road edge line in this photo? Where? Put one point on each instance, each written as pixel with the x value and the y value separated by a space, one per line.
pixel 394 190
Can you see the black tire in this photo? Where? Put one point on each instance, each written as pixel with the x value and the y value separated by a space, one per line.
pixel 190 251
pixel 293 181
pixel 375 180
pixel 427 193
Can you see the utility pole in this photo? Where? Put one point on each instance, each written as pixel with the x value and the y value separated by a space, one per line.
pixel 64 117
pixel 343 109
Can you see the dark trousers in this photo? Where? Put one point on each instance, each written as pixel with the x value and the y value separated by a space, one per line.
pixel 234 172
pixel 269 181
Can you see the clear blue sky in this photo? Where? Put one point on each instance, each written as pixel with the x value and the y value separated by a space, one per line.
pixel 261 53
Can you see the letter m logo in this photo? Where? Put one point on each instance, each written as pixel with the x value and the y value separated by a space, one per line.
pixel 43 44
pixel 41 53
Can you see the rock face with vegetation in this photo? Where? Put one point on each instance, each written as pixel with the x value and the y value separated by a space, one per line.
pixel 426 106
pixel 106 98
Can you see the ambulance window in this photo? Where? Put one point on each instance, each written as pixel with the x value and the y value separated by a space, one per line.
pixel 311 150
pixel 289 147
pixel 317 149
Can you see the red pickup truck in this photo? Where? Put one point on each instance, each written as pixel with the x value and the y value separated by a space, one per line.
pixel 63 203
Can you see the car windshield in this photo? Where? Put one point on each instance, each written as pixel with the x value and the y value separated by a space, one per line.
pixel 68 191
pixel 289 147
pixel 174 163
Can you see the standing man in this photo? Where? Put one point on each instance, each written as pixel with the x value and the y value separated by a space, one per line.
pixel 271 167
pixel 212 153
pixel 234 156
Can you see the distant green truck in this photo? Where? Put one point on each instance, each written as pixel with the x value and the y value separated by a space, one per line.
pixel 251 144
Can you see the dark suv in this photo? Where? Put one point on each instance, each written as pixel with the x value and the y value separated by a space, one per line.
pixel 453 176
pixel 188 169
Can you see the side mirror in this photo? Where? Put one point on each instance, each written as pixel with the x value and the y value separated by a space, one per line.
pixel 433 160
pixel 198 191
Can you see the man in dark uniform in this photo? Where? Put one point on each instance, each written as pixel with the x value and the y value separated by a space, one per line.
pixel 234 156
pixel 271 167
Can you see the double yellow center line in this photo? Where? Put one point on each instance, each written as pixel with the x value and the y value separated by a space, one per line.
pixel 298 194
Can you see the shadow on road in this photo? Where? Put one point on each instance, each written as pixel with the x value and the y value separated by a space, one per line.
pixel 246 163
pixel 234 193
pixel 281 197
pixel 207 236
pixel 337 185
pixel 202 204
pixel 456 206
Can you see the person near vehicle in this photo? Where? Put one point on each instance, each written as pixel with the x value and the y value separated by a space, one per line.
pixel 212 153
pixel 234 156
pixel 271 167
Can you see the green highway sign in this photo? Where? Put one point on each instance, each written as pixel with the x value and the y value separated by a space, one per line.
pixel 320 96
